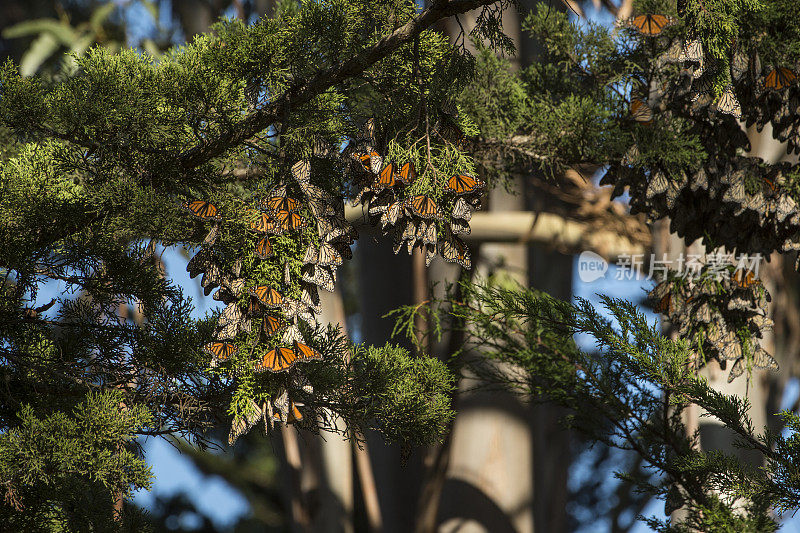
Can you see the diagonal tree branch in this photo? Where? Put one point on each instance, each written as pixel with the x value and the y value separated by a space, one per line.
pixel 304 90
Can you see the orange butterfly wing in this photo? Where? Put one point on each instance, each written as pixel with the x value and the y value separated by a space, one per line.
pixel 290 221
pixel 264 248
pixel 220 350
pixel 272 325
pixel 306 353
pixel 203 209
pixel 386 178
pixel 651 25
pixel 281 203
pixel 277 360
pixel 461 184
pixel 408 173
pixel 269 296
pixel 423 206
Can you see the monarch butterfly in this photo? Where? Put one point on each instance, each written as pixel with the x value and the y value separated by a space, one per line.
pixel 385 179
pixel 423 206
pixel 277 360
pixel 211 278
pixel 664 305
pixel 745 279
pixel 328 255
pixel 294 415
pixel 220 351
pixel 381 203
pixel 344 250
pixel 231 320
pixel 321 278
pixel 455 251
pixel 641 112
pixel 459 227
pixel 407 174
pixel 319 201
pixel 264 248
pixel 651 25
pixel 255 308
pixel 200 262
pixel 730 348
pixel 371 161
pixel 410 231
pixel 728 104
pixel 736 370
pixel 267 295
pixel 271 325
pixel 333 228
pixel 265 224
pixel 310 296
pixel 211 237
pixel 306 353
pixel 389 218
pixel 427 232
pixel 242 424
pixel 461 210
pixel 281 203
pixel 779 78
pixel 461 184
pixel 236 286
pixel 658 185
pixel 311 256
pixel 294 309
pixel 692 51
pixel 289 221
pixel 762 359
pixel 301 171
pixel 202 209
pixel 291 334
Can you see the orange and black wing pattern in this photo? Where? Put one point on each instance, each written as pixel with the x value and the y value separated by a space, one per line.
pixel 423 206
pixel 385 179
pixel 306 353
pixel 281 203
pixel 461 184
pixel 641 112
pixel 277 360
pixel 651 25
pixel 779 78
pixel 366 159
pixel 745 278
pixel 267 295
pixel 203 209
pixel 265 224
pixel 289 221
pixel 264 248
pixel 272 325
pixel 407 174
pixel 221 351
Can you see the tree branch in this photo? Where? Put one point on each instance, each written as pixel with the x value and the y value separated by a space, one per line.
pixel 305 90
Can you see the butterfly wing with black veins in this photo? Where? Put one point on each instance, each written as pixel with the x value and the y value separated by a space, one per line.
pixel 291 334
pixel 311 256
pixel 244 423
pixel 319 276
pixel 211 278
pixel 200 262
pixel 762 359
pixel 310 297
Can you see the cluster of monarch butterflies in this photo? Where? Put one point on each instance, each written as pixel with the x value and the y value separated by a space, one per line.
pixel 727 193
pixel 417 220
pixel 277 316
pixel 712 311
